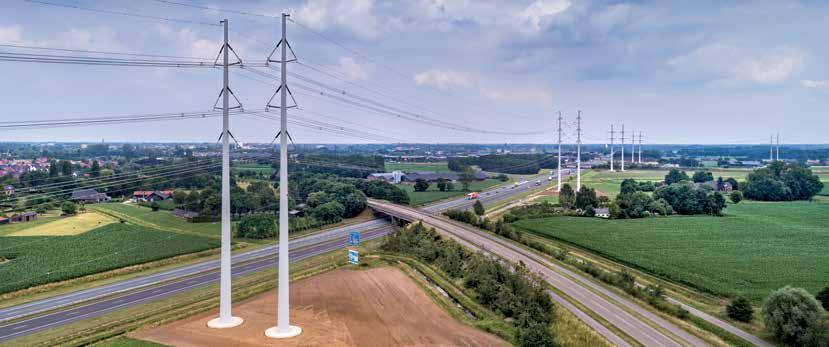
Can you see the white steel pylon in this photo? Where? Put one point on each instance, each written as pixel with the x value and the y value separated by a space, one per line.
pixel 283 328
pixel 225 319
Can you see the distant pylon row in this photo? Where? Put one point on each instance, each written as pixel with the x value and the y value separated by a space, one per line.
pixel 633 149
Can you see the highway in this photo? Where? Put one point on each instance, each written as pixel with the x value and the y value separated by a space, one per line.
pixel 611 307
pixel 89 303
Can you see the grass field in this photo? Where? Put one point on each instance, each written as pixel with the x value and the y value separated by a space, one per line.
pixel 12 228
pixel 67 226
pixel 44 259
pixel 259 168
pixel 161 220
pixel 412 167
pixel 755 248
pixel 433 194
pixel 609 182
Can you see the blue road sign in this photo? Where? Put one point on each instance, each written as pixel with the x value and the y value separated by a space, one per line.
pixel 353 257
pixel 354 238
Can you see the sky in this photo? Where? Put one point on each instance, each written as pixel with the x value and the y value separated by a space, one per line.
pixel 707 72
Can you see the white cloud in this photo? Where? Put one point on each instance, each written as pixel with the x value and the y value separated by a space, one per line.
pixel 731 66
pixel 443 79
pixel 815 84
pixel 770 69
pixel 355 16
pixel 536 94
pixel 537 15
pixel 11 34
pixel 353 71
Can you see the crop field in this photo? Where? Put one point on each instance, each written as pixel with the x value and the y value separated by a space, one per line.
pixel 67 225
pixel 412 167
pixel 12 228
pixel 755 248
pixel 44 259
pixel 609 182
pixel 433 194
pixel 161 220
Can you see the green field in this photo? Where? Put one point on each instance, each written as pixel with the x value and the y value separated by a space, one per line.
pixel 755 248
pixel 161 220
pixel 73 225
pixel 413 167
pixel 39 260
pixel 609 182
pixel 433 194
pixel 259 168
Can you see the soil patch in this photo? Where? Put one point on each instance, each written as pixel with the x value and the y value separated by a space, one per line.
pixel 375 307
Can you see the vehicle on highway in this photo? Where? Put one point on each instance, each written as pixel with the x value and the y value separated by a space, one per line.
pixel 472 196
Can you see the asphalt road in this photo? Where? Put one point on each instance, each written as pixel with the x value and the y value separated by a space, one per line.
pixel 611 307
pixel 93 302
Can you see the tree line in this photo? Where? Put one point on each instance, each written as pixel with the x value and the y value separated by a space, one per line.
pixel 523 164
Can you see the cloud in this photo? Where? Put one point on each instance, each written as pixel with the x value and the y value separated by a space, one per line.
pixel 536 16
pixel 443 79
pixel 352 71
pixel 815 84
pixel 11 34
pixel 536 94
pixel 774 68
pixel 356 16
pixel 730 65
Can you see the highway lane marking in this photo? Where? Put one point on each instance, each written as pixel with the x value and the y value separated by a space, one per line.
pixel 20 327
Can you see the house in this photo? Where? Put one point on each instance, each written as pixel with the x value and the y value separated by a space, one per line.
pixel 24 217
pixel 9 189
pixel 4 220
pixel 602 212
pixel 152 195
pixel 89 196
pixel 391 177
pixel 713 186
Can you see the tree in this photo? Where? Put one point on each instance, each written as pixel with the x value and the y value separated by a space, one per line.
pixel 736 196
pixel 53 168
pixel 703 176
pixel 95 171
pixel 628 186
pixel 331 211
pixel 441 184
pixel 823 297
pixel 782 182
pixel 733 182
pixel 69 208
pixel 790 314
pixel 257 226
pixel 466 177
pixel 179 197
pixel 740 309
pixel 317 198
pixel 154 206
pixel 479 208
pixel 567 197
pixel 586 197
pixel 65 168
pixel 354 203
pixel 675 175
pixel 421 185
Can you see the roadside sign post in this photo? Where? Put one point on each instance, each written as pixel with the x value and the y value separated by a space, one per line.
pixel 353 257
pixel 354 238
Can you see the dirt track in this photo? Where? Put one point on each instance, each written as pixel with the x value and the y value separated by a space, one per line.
pixel 376 307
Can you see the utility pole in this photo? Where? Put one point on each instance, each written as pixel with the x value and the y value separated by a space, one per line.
pixel 611 147
pixel 559 152
pixel 632 147
pixel 623 147
pixel 771 148
pixel 640 147
pixel 226 319
pixel 283 328
pixel 578 152
pixel 777 150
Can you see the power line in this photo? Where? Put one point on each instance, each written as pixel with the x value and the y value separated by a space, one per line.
pixel 122 13
pixel 100 52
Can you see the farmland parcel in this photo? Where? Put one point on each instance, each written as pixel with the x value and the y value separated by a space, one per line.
pixel 755 248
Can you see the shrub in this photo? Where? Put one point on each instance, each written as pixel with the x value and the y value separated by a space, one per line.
pixel 257 226
pixel 823 297
pixel 736 196
pixel 421 185
pixel 69 208
pixel 479 208
pixel 331 211
pixel 154 206
pixel 740 309
pixel 790 314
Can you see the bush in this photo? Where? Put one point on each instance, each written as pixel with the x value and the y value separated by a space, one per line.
pixel 736 196
pixel 479 208
pixel 823 297
pixel 69 208
pixel 154 206
pixel 791 314
pixel 331 211
pixel 421 185
pixel 257 226
pixel 740 309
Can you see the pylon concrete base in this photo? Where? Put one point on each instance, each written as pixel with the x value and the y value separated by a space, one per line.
pixel 216 323
pixel 274 332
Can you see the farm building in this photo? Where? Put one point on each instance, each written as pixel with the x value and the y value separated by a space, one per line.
pixel 24 217
pixel 186 215
pixel 89 196
pixel 602 212
pixel 4 220
pixel 152 195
